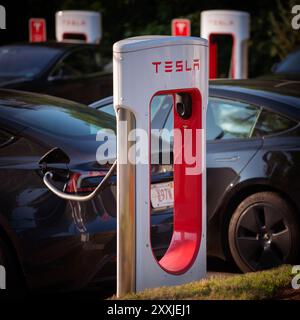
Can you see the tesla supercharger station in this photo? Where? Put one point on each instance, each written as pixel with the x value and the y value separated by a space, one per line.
pixel 227 33
pixel 78 26
pixel 146 68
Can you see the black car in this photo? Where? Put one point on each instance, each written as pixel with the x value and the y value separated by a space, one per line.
pixel 253 170
pixel 253 154
pixel 47 242
pixel 76 72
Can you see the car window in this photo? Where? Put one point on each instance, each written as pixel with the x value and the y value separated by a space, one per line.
pixel 161 140
pixel 225 119
pixel 25 61
pixel 78 63
pixel 108 108
pixel 161 117
pixel 220 121
pixel 228 119
pixel 169 124
pixel 161 106
pixel 70 120
pixel 271 123
pixel 5 138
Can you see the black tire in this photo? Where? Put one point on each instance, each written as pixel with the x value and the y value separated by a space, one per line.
pixel 263 232
pixel 13 280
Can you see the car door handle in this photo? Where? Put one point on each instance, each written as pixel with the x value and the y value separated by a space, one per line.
pixel 229 159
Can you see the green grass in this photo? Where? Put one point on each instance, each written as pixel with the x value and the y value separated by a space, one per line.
pixel 250 286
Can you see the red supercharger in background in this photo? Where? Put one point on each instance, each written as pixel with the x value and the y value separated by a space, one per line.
pixel 37 30
pixel 181 27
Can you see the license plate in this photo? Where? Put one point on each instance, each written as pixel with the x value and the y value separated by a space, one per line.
pixel 162 194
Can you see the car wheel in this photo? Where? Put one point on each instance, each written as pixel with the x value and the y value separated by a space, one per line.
pixel 263 232
pixel 8 266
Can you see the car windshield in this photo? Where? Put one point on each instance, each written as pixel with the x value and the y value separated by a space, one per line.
pixel 57 117
pixel 24 61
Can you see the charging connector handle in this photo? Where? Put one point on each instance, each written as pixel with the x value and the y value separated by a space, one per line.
pixel 49 175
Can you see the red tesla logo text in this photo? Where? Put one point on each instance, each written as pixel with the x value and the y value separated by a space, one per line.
pixel 176 66
pixel 221 22
pixel 73 22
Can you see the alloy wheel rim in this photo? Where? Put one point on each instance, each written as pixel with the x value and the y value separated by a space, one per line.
pixel 263 237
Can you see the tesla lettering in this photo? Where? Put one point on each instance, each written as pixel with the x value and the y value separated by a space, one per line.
pixel 70 22
pixel 176 66
pixel 221 22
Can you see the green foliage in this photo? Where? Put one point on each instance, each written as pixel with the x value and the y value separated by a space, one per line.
pixel 284 38
pixel 272 36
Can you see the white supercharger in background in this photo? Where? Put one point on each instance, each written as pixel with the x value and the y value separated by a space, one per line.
pixel 77 22
pixel 235 23
pixel 135 83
